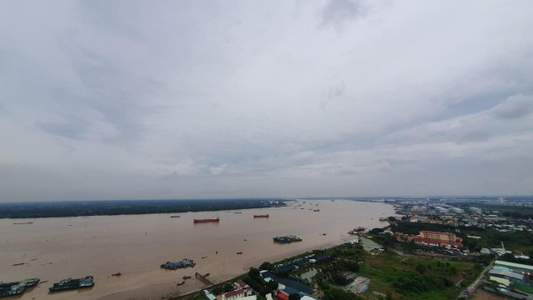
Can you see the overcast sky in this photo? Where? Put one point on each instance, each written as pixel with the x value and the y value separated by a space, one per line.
pixel 206 99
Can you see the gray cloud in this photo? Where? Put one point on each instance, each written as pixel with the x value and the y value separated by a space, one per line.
pixel 337 12
pixel 515 107
pixel 192 99
pixel 74 131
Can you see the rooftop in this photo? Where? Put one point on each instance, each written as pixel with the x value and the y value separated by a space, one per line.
pixel 514 265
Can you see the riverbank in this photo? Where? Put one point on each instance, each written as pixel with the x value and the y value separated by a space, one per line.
pixel 36 210
pixel 58 248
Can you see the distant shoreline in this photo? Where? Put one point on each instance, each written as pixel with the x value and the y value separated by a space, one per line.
pixel 38 210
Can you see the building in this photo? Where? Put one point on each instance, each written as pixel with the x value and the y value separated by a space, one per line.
pixel 517 268
pixel 476 210
pixel 209 296
pixel 439 238
pixel 457 210
pixel 242 291
pixel 506 274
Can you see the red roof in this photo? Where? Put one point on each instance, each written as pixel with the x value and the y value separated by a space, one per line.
pixel 457 243
pixel 233 293
pixel 241 283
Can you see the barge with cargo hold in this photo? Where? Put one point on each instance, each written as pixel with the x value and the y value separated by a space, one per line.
pixel 73 284
pixel 261 216
pixel 212 220
pixel 287 239
pixel 185 263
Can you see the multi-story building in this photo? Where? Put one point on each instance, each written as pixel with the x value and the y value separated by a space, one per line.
pixel 440 238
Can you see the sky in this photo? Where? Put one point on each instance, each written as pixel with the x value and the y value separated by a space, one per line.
pixel 105 100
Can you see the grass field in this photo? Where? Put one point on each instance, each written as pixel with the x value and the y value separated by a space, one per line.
pixel 399 275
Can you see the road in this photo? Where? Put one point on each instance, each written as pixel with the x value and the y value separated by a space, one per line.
pixel 472 288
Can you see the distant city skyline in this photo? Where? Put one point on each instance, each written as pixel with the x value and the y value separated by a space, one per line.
pixel 112 100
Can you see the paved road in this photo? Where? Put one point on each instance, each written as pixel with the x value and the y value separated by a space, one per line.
pixel 473 287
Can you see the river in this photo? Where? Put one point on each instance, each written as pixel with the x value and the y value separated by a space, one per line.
pixel 136 245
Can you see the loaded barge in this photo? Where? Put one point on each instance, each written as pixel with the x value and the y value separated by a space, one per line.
pixel 287 239
pixel 185 263
pixel 212 220
pixel 16 288
pixel 72 284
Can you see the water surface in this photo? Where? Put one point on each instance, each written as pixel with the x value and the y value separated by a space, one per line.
pixel 136 245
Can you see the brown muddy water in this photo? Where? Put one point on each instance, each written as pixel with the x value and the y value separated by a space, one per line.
pixel 58 248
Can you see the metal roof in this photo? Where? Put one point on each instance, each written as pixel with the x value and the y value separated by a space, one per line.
pixel 514 265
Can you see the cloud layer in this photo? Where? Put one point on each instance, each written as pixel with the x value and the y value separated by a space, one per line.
pixel 189 99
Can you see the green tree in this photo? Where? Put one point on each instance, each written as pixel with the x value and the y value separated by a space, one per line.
pixel 294 297
pixel 254 273
pixel 420 268
pixel 266 266
pixel 338 294
pixel 227 287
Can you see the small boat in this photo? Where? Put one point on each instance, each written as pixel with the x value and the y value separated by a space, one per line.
pixel 239 253
pixel 261 216
pixel 175 217
pixel 316 210
pixel 23 223
pixel 204 257
pixel 238 212
pixel 323 234
pixel 180 283
pixel 186 277
pixel 116 274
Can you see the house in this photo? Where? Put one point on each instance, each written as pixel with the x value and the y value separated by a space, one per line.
pixel 242 291
pixel 320 257
pixel 209 296
pixel 293 286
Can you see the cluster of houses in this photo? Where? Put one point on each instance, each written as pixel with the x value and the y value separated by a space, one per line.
pixel 473 217
pixel 299 262
pixel 241 292
pixel 286 285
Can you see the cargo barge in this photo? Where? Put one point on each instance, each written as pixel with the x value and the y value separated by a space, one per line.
pixel 212 220
pixel 287 239
pixel 11 289
pixel 16 288
pixel 72 284
pixel 261 216
pixel 185 263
